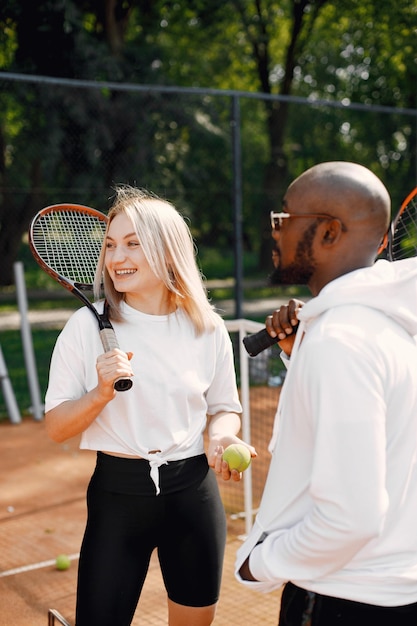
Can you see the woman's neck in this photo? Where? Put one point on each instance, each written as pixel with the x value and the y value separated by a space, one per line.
pixel 152 304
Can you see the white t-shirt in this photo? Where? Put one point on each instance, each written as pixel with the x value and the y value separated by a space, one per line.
pixel 179 379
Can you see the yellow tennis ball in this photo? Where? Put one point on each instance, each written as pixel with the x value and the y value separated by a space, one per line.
pixel 62 562
pixel 237 457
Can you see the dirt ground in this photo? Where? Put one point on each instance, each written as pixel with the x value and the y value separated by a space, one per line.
pixel 42 514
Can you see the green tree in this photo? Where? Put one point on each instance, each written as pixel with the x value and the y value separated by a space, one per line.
pixel 82 143
pixel 55 141
pixel 342 51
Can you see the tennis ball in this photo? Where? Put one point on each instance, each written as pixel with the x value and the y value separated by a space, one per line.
pixel 62 562
pixel 237 457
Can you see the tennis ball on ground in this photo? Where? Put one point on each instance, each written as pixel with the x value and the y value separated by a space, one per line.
pixel 237 457
pixel 62 562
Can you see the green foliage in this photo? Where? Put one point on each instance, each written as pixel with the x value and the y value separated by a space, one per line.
pixel 72 144
pixel 11 343
pixel 215 263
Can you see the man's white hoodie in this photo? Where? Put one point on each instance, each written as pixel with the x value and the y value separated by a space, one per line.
pixel 339 510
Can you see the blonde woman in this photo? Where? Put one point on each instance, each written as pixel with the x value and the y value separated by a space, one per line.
pixel 152 486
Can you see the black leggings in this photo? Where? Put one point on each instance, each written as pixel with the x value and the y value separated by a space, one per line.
pixel 305 608
pixel 126 521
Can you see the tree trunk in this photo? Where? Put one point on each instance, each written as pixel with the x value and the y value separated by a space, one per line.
pixel 15 222
pixel 276 177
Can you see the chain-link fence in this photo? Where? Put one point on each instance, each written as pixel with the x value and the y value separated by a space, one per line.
pixel 208 151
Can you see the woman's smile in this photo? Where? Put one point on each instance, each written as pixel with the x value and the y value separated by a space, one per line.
pixel 125 272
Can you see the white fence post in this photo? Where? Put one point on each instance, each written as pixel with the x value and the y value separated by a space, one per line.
pixel 242 327
pixel 37 408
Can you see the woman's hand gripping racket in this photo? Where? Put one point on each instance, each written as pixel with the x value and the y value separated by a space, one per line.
pixel 66 240
pixel 400 241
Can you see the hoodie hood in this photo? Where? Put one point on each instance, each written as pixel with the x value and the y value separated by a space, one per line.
pixel 390 287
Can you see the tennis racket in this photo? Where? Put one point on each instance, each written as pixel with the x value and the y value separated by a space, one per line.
pixel 402 236
pixel 66 240
pixel 400 241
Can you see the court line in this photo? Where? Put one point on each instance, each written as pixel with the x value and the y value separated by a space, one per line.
pixel 34 566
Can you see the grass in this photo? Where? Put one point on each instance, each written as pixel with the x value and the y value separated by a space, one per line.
pixel 11 343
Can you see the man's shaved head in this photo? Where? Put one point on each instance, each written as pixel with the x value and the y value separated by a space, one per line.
pixel 348 191
pixel 355 210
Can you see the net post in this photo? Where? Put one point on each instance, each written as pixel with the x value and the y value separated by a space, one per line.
pixel 242 327
pixel 246 425
pixel 26 334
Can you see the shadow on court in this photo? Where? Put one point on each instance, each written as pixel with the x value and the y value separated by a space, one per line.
pixel 42 515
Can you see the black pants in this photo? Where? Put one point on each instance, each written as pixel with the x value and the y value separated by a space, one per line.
pixel 305 608
pixel 126 521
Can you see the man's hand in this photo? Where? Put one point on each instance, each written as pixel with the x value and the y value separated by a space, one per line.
pixel 283 324
pixel 245 572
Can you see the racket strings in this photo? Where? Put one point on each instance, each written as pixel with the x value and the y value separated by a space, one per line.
pixel 69 242
pixel 403 243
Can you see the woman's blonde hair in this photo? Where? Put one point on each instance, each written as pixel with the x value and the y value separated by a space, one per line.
pixel 169 248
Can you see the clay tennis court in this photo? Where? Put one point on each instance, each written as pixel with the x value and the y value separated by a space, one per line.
pixel 42 514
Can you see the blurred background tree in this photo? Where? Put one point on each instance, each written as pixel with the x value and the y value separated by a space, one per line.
pixel 66 143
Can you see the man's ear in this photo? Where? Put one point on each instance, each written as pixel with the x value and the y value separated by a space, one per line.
pixel 332 232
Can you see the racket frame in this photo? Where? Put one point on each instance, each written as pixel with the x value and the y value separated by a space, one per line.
pixel 395 222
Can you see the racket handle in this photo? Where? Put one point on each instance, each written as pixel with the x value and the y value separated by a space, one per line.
pixel 258 342
pixel 109 341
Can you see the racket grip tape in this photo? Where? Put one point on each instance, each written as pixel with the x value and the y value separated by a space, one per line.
pixel 258 342
pixel 109 341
